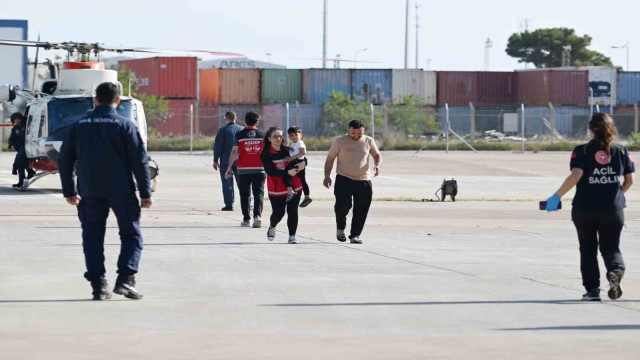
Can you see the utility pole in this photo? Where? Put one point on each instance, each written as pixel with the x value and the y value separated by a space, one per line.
pixel 324 35
pixel 566 56
pixel 417 31
pixel 487 45
pixel 406 37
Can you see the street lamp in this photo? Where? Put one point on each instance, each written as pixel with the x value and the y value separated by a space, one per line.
pixel 355 57
pixel 269 55
pixel 625 46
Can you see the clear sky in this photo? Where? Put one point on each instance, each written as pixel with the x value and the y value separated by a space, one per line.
pixel 452 33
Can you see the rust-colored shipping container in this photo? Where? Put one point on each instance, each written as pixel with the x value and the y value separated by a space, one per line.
pixel 559 87
pixel 170 77
pixel 210 86
pixel 239 86
pixel 459 88
pixel 209 120
pixel 177 124
pixel 274 115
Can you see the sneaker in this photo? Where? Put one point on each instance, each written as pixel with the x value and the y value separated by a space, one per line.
pixel 126 285
pixel 356 240
pixel 245 223
pixel 592 295
pixel 100 290
pixel 257 222
pixel 227 208
pixel 292 239
pixel 615 291
pixel 290 197
pixel 341 236
pixel 16 186
pixel 271 233
pixel 306 202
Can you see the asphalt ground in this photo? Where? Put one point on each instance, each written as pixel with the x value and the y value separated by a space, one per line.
pixel 487 277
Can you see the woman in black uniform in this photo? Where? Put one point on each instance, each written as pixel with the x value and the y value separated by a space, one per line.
pixel 596 168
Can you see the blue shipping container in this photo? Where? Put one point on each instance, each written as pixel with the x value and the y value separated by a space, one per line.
pixel 568 120
pixel 628 88
pixel 370 85
pixel 306 116
pixel 317 84
pixel 459 118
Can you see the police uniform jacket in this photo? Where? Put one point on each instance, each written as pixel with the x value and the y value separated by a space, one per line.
pixel 108 149
pixel 17 138
pixel 224 143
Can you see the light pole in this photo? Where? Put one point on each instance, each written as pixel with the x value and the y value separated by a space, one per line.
pixel 428 64
pixel 355 57
pixel 269 55
pixel 625 46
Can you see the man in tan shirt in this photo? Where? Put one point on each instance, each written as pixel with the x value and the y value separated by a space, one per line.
pixel 353 179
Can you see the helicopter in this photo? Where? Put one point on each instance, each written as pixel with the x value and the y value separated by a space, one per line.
pixel 65 98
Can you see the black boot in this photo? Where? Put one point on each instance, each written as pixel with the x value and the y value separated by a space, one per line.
pixel 30 173
pixel 100 290
pixel 126 285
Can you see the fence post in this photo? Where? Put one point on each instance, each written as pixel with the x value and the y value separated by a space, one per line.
pixel 287 119
pixel 197 117
pixel 298 122
pixel 472 120
pixel 522 132
pixel 552 116
pixel 191 129
pixel 448 126
pixel 385 119
pixel 636 117
pixel 373 122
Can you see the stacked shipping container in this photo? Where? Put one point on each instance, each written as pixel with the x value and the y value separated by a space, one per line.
pixel 317 84
pixel 459 88
pixel 280 86
pixel 371 85
pixel 628 88
pixel 414 82
pixel 559 87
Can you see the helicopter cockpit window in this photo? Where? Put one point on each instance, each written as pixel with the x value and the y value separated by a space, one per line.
pixel 125 109
pixel 65 112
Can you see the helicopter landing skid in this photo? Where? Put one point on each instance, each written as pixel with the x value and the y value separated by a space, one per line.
pixel 36 177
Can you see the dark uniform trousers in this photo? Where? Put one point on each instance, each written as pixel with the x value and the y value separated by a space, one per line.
pixel 247 184
pixel 227 184
pixel 93 213
pixel 351 192
pixel 280 206
pixel 601 228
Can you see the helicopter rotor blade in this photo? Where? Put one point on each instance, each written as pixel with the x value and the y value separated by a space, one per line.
pixel 38 44
pixel 156 50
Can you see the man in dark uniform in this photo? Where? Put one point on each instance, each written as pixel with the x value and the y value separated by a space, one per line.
pixel 107 149
pixel 17 141
pixel 221 152
pixel 247 146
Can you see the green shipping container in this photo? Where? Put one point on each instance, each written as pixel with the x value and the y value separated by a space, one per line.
pixel 280 86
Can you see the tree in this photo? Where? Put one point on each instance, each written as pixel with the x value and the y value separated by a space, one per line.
pixel 342 108
pixel 544 47
pixel 410 118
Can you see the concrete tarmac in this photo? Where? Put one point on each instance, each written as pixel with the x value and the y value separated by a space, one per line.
pixel 487 277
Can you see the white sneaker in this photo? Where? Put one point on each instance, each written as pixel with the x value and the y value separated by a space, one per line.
pixel 356 240
pixel 271 233
pixel 292 239
pixel 245 224
pixel 257 222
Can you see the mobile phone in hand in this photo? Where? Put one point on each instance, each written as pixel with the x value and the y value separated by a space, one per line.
pixel 543 205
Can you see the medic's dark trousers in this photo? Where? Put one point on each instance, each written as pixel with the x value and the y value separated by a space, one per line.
pixel 93 213
pixel 601 228
pixel 351 192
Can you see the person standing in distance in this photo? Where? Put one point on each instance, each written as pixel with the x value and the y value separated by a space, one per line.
pixel 221 157
pixel 598 205
pixel 105 149
pixel 353 180
pixel 247 146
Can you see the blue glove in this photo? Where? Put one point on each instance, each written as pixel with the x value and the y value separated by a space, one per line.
pixel 553 202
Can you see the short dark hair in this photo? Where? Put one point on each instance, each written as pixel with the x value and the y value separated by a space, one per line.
pixel 294 130
pixel 356 124
pixel 251 118
pixel 107 93
pixel 16 115
pixel 230 115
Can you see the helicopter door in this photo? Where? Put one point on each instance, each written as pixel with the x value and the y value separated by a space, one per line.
pixel 36 132
pixel 140 119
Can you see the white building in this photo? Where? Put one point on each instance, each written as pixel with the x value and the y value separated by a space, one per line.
pixel 238 63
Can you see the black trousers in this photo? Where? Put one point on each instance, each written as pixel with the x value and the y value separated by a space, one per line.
pixel 351 192
pixel 601 228
pixel 247 184
pixel 279 206
pixel 305 187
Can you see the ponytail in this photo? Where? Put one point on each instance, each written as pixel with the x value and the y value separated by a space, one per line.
pixel 604 130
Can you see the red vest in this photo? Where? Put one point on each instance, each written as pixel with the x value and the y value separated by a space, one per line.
pixel 275 184
pixel 250 141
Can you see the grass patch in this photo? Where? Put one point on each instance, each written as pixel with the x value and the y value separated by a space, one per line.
pixel 178 144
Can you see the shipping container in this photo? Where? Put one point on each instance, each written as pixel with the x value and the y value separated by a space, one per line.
pixel 414 82
pixel 459 88
pixel 280 86
pixel 459 118
pixel 178 122
pixel 210 86
pixel 317 84
pixel 170 77
pixel 492 118
pixel 628 88
pixel 306 116
pixel 559 87
pixel 209 119
pixel 272 115
pixel 239 86
pixel 240 110
pixel 567 119
pixel 372 85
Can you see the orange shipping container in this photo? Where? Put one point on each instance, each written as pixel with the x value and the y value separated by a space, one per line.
pixel 239 86
pixel 210 86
